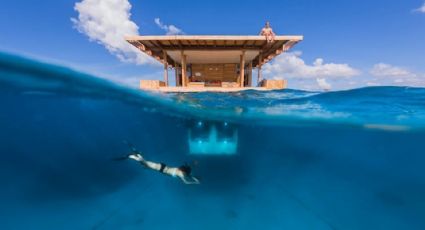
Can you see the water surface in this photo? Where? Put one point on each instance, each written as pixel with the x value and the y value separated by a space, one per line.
pixel 304 160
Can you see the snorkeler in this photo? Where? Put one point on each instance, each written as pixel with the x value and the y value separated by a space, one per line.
pixel 183 172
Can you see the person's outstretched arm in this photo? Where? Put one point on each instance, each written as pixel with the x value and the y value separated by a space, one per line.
pixel 194 180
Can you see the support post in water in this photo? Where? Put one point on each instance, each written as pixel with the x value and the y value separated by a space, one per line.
pixel 184 79
pixel 176 70
pixel 164 53
pixel 250 74
pixel 260 64
pixel 242 69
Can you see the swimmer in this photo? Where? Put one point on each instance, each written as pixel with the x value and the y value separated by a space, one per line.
pixel 183 172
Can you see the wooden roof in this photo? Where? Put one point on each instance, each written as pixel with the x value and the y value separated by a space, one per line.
pixel 155 45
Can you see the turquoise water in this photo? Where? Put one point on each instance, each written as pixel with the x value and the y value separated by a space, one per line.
pixel 303 160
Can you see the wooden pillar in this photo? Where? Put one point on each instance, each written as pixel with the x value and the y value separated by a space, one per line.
pixel 242 69
pixel 260 64
pixel 176 70
pixel 260 77
pixel 250 74
pixel 184 69
pixel 164 53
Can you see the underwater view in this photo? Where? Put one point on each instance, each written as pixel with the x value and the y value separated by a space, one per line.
pixel 285 159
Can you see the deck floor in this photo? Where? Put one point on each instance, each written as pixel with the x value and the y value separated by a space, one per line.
pixel 206 89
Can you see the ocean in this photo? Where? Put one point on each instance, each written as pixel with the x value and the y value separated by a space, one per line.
pixel 286 159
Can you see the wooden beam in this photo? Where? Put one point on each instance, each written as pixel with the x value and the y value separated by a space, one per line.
pixel 176 70
pixel 242 69
pixel 157 44
pixel 273 47
pixel 171 43
pixel 180 44
pixel 260 63
pixel 140 46
pixel 210 37
pixel 164 53
pixel 147 51
pixel 184 71
pixel 244 44
pixel 197 43
pixel 250 74
pixel 275 50
pixel 210 48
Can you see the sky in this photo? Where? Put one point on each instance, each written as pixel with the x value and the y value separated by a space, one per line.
pixel 347 43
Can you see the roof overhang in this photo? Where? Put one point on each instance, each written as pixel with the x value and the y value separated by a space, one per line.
pixel 213 49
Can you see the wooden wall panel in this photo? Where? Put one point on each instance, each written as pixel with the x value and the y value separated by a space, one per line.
pixel 215 72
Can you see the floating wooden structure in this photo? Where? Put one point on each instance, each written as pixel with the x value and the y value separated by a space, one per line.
pixel 212 63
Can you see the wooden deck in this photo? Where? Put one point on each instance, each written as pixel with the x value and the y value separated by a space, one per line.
pixel 194 87
pixel 205 89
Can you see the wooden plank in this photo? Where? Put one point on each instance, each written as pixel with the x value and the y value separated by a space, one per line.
pixel 180 44
pixel 212 37
pixel 140 46
pixel 273 48
pixel 210 48
pixel 250 74
pixel 184 69
pixel 157 45
pixel 176 72
pixel 173 44
pixel 206 89
pixel 242 69
pixel 259 78
pixel 165 67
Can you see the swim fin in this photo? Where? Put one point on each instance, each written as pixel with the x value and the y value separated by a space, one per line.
pixel 120 158
pixel 131 146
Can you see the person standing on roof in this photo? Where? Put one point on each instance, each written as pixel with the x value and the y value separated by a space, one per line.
pixel 267 31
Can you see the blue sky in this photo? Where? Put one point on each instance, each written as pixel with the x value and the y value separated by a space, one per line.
pixel 346 43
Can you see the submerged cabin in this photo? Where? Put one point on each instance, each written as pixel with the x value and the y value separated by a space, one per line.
pixel 213 138
pixel 213 63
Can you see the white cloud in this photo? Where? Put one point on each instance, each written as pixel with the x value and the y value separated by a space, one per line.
pixel 290 65
pixel 386 70
pixel 169 29
pixel 133 81
pixel 107 22
pixel 373 84
pixel 390 75
pixel 323 84
pixel 421 9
